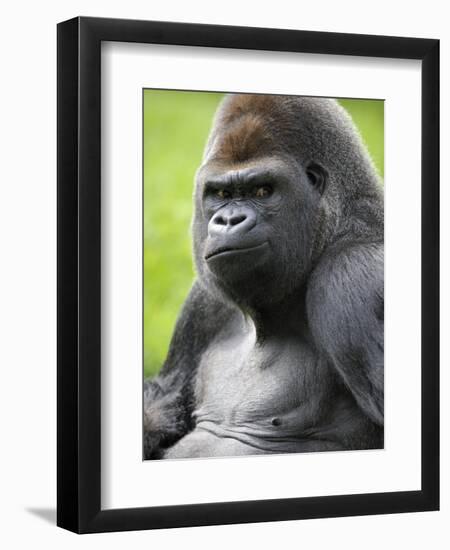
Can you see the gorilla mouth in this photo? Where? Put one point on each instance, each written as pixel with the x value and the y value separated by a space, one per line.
pixel 229 250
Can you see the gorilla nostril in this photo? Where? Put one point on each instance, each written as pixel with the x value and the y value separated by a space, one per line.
pixel 219 220
pixel 235 220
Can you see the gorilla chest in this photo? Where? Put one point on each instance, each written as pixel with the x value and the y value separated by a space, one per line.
pixel 245 386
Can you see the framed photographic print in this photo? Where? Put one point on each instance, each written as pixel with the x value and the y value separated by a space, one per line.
pixel 248 255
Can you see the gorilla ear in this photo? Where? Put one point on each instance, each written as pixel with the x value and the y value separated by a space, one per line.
pixel 317 176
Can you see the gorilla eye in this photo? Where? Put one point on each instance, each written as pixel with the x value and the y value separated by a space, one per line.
pixel 263 191
pixel 223 194
pixel 317 176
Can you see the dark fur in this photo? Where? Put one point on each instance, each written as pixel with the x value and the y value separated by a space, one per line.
pixel 329 265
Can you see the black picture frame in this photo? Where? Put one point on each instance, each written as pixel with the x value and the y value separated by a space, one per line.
pixel 79 280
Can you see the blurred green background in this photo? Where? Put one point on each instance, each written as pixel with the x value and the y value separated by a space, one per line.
pixel 176 125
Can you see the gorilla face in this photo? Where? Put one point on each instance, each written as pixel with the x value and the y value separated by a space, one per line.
pixel 254 226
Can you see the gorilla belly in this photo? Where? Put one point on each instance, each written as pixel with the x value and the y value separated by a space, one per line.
pixel 203 443
pixel 251 400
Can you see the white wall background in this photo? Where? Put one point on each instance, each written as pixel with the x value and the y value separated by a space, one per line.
pixel 28 271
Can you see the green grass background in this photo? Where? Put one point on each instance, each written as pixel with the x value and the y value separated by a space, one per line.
pixel 176 125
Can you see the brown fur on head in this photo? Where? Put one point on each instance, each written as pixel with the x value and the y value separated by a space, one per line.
pixel 247 122
pixel 247 138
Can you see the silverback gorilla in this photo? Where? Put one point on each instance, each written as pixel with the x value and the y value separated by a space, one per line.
pixel 279 345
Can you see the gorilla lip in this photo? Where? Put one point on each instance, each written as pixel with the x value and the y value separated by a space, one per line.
pixel 227 250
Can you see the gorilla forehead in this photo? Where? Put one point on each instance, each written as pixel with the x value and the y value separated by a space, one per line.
pixel 249 126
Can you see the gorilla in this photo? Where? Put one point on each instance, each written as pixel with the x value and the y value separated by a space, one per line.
pixel 279 345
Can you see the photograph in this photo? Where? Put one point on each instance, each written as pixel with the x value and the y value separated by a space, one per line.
pixel 263 274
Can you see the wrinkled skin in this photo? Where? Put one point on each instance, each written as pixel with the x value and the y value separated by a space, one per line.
pixel 279 345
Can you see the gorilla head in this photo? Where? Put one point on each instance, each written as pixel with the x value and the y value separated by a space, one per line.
pixel 282 179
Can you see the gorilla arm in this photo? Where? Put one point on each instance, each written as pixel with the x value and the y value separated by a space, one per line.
pixel 345 304
pixel 168 398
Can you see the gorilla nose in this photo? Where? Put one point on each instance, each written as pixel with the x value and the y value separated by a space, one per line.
pixel 231 221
